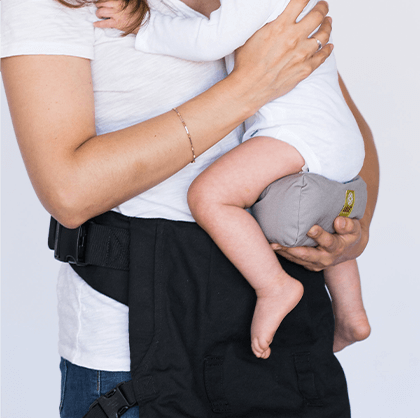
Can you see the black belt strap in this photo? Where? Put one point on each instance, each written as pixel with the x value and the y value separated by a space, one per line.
pixel 90 244
pixel 115 403
pixel 96 245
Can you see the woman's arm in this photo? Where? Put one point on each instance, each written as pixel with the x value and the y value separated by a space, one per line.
pixel 77 174
pixel 352 235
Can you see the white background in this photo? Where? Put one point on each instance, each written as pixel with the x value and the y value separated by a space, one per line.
pixel 377 48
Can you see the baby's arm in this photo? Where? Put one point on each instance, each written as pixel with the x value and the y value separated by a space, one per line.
pixel 201 39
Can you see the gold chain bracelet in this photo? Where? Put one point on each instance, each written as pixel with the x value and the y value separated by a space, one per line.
pixel 187 131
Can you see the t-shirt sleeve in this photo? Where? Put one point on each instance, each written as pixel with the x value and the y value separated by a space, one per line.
pixel 45 27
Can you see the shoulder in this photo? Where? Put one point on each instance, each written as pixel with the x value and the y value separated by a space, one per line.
pixel 46 27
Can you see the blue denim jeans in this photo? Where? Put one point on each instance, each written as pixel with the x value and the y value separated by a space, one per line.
pixel 80 387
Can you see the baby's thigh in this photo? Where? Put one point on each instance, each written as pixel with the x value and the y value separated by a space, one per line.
pixel 238 177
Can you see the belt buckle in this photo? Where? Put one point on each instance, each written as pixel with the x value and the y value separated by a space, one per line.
pixel 70 244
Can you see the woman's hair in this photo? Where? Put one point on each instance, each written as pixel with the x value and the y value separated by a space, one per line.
pixel 139 9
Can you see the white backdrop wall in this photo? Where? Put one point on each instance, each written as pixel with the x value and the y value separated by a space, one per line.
pixel 377 52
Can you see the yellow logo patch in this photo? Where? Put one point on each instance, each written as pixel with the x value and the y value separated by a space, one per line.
pixel 349 204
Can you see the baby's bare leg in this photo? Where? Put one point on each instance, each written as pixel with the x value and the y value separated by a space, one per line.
pixel 351 322
pixel 218 198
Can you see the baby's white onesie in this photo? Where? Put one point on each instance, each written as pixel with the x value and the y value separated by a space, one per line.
pixel 313 117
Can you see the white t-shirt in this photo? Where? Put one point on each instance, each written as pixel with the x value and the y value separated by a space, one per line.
pixel 129 87
pixel 313 117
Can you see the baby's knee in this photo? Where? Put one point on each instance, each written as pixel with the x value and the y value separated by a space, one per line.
pixel 193 196
pixel 199 200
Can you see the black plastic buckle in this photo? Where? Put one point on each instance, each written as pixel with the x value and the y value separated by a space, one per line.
pixel 114 404
pixel 70 244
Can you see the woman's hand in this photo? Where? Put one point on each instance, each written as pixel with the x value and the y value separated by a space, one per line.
pixel 280 55
pixel 348 243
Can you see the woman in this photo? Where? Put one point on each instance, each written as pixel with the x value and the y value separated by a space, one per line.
pixel 90 149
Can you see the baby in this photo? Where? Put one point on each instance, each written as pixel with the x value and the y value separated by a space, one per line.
pixel 309 129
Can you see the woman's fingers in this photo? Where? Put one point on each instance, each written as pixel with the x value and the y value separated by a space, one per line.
pixel 314 18
pixel 319 57
pixel 311 258
pixel 294 9
pixel 282 48
pixel 332 249
pixel 314 259
pixel 323 33
pixel 346 225
pixel 297 32
pixel 323 238
pixel 346 229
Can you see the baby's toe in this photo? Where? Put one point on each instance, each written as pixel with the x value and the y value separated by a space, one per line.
pixel 266 354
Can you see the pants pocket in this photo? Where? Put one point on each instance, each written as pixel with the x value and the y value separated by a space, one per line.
pixel 214 384
pixel 306 379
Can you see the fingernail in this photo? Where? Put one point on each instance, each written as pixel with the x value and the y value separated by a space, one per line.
pixel 329 18
pixel 311 233
pixel 341 222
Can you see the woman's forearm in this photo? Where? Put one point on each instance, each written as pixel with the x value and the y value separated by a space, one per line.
pixel 77 174
pixel 142 156
pixel 370 169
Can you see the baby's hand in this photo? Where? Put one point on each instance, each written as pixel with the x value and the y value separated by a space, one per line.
pixel 115 16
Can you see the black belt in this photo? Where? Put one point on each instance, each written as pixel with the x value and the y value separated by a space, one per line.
pixel 106 246
pixel 95 248
pixel 90 244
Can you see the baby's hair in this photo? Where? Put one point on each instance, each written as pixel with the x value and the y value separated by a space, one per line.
pixel 140 10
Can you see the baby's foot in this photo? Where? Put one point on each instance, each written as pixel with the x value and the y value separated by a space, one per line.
pixel 273 304
pixel 350 328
